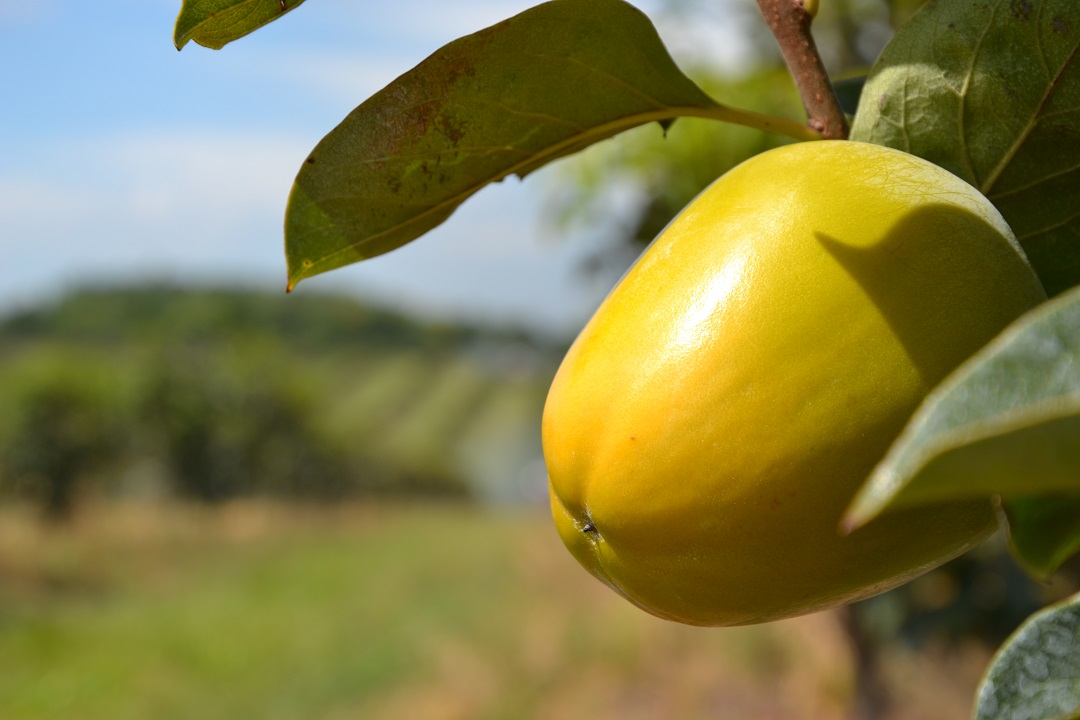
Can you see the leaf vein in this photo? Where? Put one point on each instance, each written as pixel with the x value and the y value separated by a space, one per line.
pixel 645 97
pixel 903 117
pixel 1007 158
pixel 968 78
pixel 531 114
pixel 1049 228
pixel 1036 183
pixel 603 130
pixel 469 150
pixel 1039 41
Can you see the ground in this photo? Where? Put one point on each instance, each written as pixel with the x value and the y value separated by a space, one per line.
pixel 382 612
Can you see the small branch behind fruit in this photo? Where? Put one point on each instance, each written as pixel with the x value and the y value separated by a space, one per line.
pixel 790 21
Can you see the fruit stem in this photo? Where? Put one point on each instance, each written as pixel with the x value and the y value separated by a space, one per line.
pixel 790 21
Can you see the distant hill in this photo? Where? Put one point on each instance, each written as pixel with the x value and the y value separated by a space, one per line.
pixel 312 321
pixel 214 393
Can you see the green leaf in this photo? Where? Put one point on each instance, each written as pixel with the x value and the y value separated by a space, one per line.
pixel 216 23
pixel 1006 422
pixel 990 90
pixel 1044 532
pixel 503 101
pixel 1036 673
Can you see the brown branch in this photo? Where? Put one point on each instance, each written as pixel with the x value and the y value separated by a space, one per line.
pixel 871 699
pixel 789 21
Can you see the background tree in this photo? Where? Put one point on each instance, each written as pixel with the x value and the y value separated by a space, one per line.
pixel 62 426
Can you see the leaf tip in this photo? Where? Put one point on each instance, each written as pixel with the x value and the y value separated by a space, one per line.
pixel 848 524
pixel 179 37
pixel 855 517
pixel 297 272
pixel 293 280
pixel 864 507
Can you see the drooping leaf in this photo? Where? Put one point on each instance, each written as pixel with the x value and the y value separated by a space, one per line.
pixel 1006 422
pixel 990 90
pixel 503 101
pixel 1044 532
pixel 1036 673
pixel 216 23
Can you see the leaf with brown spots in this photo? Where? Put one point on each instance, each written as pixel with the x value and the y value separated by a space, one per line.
pixel 503 101
pixel 990 90
pixel 216 23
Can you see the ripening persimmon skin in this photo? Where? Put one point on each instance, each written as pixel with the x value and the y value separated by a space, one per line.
pixel 710 424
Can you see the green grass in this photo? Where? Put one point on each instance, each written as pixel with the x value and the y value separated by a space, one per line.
pixel 256 611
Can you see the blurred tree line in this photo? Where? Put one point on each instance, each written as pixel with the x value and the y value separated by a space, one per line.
pixel 209 395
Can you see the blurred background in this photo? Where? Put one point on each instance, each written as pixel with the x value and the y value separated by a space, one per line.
pixel 218 501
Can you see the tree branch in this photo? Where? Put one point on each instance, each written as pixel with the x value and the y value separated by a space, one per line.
pixel 790 21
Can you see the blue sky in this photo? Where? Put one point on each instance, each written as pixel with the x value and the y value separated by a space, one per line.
pixel 122 159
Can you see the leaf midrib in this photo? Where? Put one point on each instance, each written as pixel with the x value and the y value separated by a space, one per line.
pixel 987 186
pixel 717 112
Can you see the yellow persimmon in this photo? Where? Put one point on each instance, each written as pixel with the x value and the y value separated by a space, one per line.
pixel 712 421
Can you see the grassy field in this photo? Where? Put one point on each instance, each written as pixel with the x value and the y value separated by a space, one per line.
pixel 375 612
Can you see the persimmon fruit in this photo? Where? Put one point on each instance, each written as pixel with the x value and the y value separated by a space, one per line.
pixel 712 421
